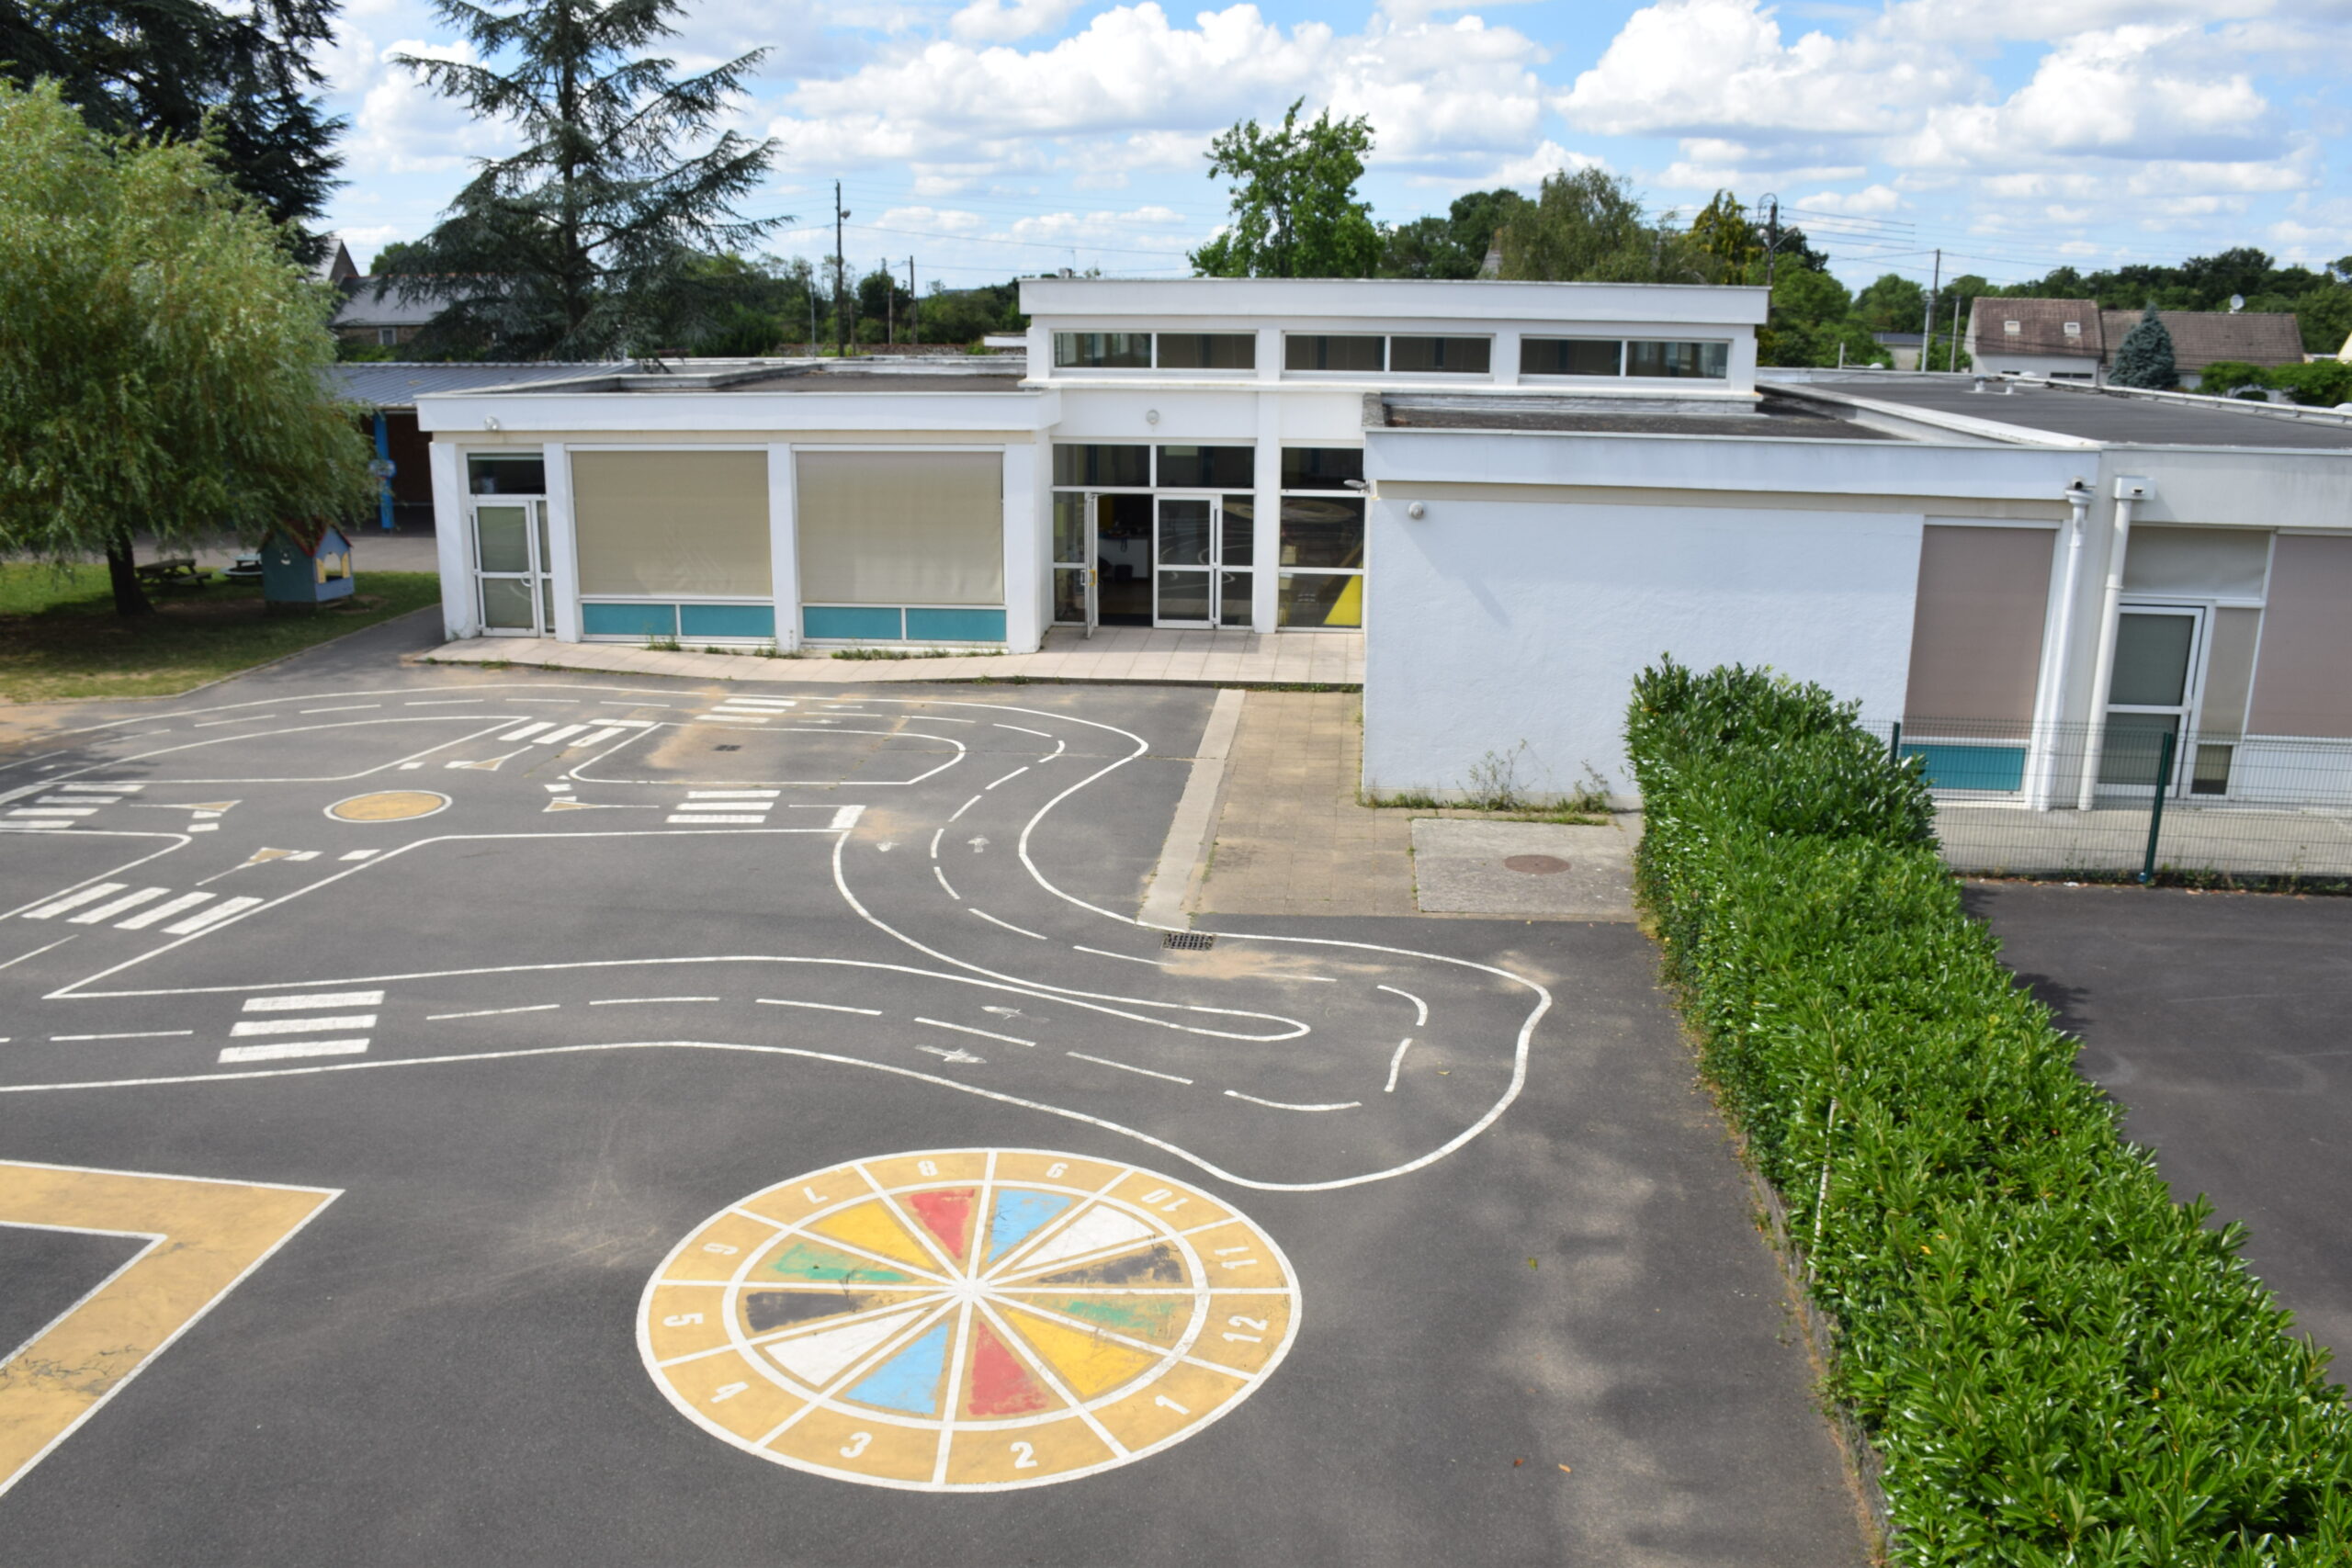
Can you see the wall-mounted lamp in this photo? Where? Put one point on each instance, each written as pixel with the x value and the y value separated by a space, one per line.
pixel 489 423
pixel 1417 512
pixel 1151 416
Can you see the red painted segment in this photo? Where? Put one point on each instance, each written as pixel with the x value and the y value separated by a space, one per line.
pixel 1000 1384
pixel 947 1214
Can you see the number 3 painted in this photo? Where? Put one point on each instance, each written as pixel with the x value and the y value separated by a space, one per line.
pixel 1024 1456
pixel 856 1445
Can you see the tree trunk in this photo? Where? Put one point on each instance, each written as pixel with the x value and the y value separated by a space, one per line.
pixel 129 597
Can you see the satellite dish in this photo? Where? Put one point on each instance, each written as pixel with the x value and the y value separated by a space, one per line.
pixel 2237 303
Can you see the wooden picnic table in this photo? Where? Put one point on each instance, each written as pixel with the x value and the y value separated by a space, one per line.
pixel 173 569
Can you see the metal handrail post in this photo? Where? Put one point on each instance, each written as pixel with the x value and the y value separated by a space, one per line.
pixel 2157 808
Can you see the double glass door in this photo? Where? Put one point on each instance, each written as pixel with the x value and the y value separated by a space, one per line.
pixel 1202 555
pixel 510 567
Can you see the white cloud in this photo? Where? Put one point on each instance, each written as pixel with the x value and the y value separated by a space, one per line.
pixel 1868 202
pixel 1002 21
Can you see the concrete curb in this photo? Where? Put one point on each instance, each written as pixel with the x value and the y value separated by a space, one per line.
pixel 1184 856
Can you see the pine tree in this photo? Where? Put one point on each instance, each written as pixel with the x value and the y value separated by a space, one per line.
pixel 2145 358
pixel 582 243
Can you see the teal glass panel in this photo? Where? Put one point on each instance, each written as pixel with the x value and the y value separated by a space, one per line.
pixel 1971 767
pixel 955 625
pixel 727 620
pixel 628 620
pixel 851 623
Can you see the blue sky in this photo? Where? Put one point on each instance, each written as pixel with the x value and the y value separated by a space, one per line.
pixel 993 137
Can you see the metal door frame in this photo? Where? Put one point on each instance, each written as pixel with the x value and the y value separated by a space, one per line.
pixel 1210 568
pixel 2192 693
pixel 542 581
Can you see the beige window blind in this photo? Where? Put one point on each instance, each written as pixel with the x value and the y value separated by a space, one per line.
pixel 687 523
pixel 1976 633
pixel 2299 676
pixel 884 527
pixel 2229 562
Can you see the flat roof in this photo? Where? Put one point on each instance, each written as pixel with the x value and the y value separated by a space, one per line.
pixel 1771 416
pixel 2111 415
pixel 390 384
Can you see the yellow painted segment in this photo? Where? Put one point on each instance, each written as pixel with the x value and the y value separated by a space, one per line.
pixel 978 1457
pixel 862 1445
pixel 388 806
pixel 719 1248
pixel 1018 1168
pixel 210 1234
pixel 874 1228
pixel 1243 1331
pixel 1234 1259
pixel 1166 1406
pixel 1088 1365
pixel 955 1168
pixel 734 1396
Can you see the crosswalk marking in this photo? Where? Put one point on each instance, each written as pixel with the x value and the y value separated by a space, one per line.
pixel 610 732
pixel 163 911
pixel 552 736
pixel 733 794
pixel 74 900
pixel 698 819
pixel 316 999
pixel 252 1026
pixel 113 906
pixel 527 731
pixel 54 811
pixel 280 1050
pixel 211 917
pixel 35 827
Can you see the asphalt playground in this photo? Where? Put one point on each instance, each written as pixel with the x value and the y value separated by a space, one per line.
pixel 471 1116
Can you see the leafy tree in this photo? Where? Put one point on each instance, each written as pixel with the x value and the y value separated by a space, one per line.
pixel 166 69
pixel 1722 231
pixel 1295 213
pixel 966 315
pixel 1588 226
pixel 1892 304
pixel 160 352
pixel 1455 245
pixel 2145 358
pixel 580 244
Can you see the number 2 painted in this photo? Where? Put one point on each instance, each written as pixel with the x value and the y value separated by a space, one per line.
pixel 1024 1456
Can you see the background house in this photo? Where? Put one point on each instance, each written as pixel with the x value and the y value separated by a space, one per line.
pixel 2074 340
pixel 377 313
pixel 2207 337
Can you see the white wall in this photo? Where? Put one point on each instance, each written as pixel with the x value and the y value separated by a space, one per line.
pixel 1497 622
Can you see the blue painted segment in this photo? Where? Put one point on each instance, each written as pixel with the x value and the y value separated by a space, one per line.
pixel 955 626
pixel 1953 766
pixel 1019 1213
pixel 852 623
pixel 384 485
pixel 910 1380
pixel 628 620
pixel 727 620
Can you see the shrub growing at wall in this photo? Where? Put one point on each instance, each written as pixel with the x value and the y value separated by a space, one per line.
pixel 2058 1363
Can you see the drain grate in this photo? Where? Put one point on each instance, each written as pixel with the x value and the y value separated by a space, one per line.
pixel 726 747
pixel 1191 940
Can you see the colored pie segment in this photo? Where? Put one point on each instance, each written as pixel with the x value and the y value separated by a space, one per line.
pixel 974 1318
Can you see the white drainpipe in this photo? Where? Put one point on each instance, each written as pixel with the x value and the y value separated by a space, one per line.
pixel 2127 492
pixel 2051 709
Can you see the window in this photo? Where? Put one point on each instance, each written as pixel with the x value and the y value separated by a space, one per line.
pixel 890 528
pixel 2012 329
pixel 1321 467
pixel 2074 329
pixel 1208 468
pixel 1441 355
pixel 386 336
pixel 1709 360
pixel 1571 356
pixel 1321 536
pixel 1103 467
pixel 655 523
pixel 1102 351
pixel 1208 351
pixel 519 473
pixel 1304 352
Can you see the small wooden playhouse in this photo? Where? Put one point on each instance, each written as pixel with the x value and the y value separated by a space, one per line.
pixel 305 565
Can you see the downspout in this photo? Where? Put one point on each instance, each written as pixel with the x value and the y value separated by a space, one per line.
pixel 2127 492
pixel 2051 709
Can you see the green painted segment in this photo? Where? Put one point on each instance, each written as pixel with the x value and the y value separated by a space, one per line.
pixel 806 1260
pixel 1148 1317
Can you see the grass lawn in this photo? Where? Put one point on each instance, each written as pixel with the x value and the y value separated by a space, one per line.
pixel 60 638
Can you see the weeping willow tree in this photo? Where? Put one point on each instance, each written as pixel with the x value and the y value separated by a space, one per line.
pixel 160 352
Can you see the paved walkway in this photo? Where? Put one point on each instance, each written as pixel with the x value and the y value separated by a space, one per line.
pixel 1139 654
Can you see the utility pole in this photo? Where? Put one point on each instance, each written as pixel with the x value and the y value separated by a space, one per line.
pixel 914 306
pixel 841 295
pixel 1772 238
pixel 889 304
pixel 1928 316
pixel 1954 367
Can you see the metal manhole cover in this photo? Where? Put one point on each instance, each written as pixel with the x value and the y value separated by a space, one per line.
pixel 1536 865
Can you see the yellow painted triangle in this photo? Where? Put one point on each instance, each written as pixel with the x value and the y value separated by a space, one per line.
pixel 1089 1365
pixel 260 856
pixel 490 766
pixel 871 1226
pixel 209 806
pixel 569 806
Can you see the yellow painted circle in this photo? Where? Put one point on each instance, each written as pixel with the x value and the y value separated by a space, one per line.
pixel 968 1320
pixel 388 805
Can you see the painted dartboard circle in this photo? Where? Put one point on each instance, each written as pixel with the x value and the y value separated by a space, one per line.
pixel 968 1320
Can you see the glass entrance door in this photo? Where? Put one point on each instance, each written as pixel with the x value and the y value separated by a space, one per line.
pixel 2152 695
pixel 510 568
pixel 1200 559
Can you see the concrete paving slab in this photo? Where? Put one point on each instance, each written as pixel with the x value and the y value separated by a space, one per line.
pixel 1547 870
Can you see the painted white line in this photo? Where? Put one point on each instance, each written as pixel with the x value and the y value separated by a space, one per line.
pixel 944 883
pixel 359 854
pixel 1127 956
pixel 303 854
pixel 936 834
pixel 554 736
pixel 492 1012
pixel 136 1034
pixel 1008 925
pixel 733 794
pixel 1040 733
pixel 527 731
pixel 1421 1008
pixel 319 999
pixel 611 732
pixel 963 808
pixel 620 703
pixel 214 916
pixel 251 1027
pixel 632 1001
pixel 74 900
pixel 983 1033
pixel 548 701
pixel 820 1007
pixel 84 800
pixel 1106 1061
pixel 1009 777
pixel 92 783
pixel 54 811
pixel 35 827
pixel 348 707
pixel 113 906
pixel 209 723
pixel 1396 1062
pixel 36 952
pixel 707 819
pixel 440 701
pixel 1279 1105
pixel 286 1048
pixel 844 818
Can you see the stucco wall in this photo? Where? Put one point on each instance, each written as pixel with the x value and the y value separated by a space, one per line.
pixel 1494 622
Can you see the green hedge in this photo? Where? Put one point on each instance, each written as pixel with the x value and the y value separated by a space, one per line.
pixel 2057 1363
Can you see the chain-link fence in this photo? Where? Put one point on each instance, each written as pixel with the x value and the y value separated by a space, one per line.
pixel 2140 797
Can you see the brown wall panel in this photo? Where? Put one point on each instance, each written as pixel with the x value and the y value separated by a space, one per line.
pixel 2302 675
pixel 1976 634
